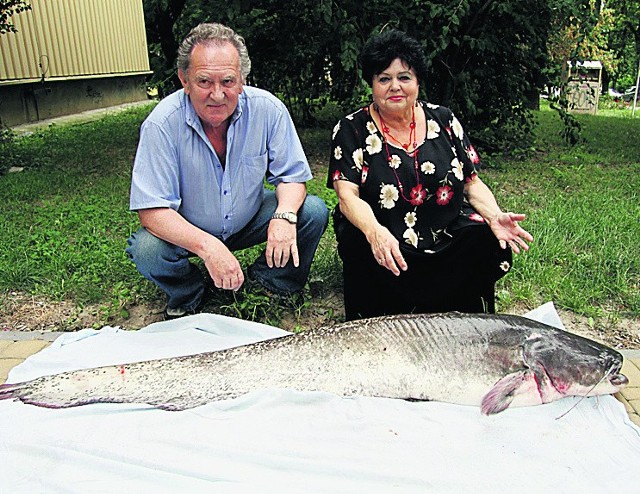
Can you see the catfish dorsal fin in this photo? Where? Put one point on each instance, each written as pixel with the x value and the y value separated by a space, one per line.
pixel 501 395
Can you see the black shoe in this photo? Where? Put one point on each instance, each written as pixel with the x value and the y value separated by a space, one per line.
pixel 174 313
pixel 170 313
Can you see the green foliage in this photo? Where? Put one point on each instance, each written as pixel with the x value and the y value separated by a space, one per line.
pixel 16 153
pixel 485 57
pixel 488 60
pixel 7 9
pixel 570 131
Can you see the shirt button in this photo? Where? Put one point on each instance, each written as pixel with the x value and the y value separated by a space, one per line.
pixel 225 192
pixel 226 216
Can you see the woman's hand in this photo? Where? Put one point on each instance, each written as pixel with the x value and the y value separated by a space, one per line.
pixel 384 246
pixel 508 231
pixel 386 250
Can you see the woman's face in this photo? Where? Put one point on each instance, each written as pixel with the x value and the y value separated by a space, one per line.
pixel 395 89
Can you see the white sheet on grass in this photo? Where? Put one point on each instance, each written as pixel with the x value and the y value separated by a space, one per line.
pixel 286 441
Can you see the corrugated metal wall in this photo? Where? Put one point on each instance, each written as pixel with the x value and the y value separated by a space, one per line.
pixel 75 39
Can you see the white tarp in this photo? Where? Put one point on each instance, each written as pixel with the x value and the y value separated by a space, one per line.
pixel 286 441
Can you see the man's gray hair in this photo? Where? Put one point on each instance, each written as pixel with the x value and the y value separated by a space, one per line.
pixel 216 34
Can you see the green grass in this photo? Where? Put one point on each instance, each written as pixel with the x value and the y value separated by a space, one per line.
pixel 65 218
pixel 583 209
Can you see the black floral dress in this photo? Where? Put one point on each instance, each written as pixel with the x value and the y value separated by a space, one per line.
pixel 454 259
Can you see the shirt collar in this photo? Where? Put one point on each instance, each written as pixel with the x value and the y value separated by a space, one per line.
pixel 242 103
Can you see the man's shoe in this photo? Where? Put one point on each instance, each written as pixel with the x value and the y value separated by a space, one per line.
pixel 174 313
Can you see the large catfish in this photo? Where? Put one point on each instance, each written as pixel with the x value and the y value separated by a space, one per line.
pixel 491 361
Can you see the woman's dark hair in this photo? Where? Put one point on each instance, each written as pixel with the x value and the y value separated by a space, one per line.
pixel 382 49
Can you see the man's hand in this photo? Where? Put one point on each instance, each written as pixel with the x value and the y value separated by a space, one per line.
pixel 281 244
pixel 224 269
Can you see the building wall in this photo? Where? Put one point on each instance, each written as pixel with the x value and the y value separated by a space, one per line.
pixel 32 102
pixel 72 55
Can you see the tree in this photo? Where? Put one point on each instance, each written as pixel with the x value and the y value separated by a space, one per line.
pixel 7 9
pixel 161 17
pixel 485 57
pixel 624 41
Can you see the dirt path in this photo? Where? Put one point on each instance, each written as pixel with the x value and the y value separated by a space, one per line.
pixel 20 312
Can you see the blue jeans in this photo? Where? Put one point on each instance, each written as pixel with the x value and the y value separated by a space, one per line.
pixel 168 265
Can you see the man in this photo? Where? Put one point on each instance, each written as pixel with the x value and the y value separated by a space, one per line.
pixel 198 175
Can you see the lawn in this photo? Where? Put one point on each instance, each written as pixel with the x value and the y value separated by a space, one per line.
pixel 65 221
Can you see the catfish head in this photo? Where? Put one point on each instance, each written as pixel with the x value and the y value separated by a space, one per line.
pixel 557 364
pixel 565 364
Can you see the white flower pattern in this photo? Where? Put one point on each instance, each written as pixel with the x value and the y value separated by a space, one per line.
pixel 456 166
pixel 410 219
pixel 456 126
pixel 336 129
pixel 433 129
pixel 388 196
pixel 441 159
pixel 374 144
pixel 395 161
pixel 428 168
pixel 358 158
pixel 411 237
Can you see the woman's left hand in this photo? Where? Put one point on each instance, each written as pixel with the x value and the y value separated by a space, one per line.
pixel 508 231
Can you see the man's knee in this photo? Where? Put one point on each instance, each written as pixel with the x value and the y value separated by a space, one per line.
pixel 143 247
pixel 314 211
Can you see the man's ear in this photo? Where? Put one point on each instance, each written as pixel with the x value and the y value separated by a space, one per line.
pixel 183 78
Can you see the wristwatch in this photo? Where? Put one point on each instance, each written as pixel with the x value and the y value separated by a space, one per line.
pixel 289 216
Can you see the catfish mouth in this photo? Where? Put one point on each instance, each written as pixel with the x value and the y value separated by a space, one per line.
pixel 619 380
pixel 615 378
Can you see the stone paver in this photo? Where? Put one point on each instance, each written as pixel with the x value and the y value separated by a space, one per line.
pixel 6 364
pixel 22 349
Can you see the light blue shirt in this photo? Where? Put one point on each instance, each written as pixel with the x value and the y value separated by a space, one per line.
pixel 176 166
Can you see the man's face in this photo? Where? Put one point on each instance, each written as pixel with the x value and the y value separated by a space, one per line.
pixel 213 82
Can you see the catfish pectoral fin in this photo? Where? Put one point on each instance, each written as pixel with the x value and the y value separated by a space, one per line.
pixel 503 392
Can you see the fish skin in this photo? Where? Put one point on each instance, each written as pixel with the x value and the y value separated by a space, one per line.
pixel 487 360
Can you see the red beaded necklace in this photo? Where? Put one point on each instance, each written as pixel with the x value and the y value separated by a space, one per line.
pixel 417 194
pixel 412 131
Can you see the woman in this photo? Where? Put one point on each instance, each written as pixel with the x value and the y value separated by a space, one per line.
pixel 417 229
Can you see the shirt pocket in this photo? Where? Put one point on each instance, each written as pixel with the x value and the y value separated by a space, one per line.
pixel 253 171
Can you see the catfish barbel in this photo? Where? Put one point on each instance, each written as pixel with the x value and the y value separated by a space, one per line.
pixel 487 360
